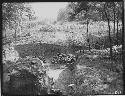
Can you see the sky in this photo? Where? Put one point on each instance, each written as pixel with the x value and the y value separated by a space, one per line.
pixel 47 10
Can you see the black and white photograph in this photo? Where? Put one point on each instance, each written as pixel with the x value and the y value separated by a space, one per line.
pixel 63 48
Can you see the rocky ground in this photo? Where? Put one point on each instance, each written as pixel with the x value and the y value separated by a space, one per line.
pixel 92 75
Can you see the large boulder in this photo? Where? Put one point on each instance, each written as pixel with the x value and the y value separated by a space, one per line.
pixel 24 77
pixel 64 79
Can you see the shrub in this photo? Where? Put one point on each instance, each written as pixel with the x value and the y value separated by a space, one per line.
pixel 68 59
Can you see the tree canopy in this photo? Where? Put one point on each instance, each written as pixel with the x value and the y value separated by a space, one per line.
pixel 93 10
pixel 13 14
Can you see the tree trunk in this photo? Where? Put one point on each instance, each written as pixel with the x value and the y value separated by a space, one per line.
pixel 114 18
pixel 88 40
pixel 117 31
pixel 114 25
pixel 110 40
pixel 15 31
pixel 15 35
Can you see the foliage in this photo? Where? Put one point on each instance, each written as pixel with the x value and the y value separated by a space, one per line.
pixel 14 14
pixel 94 10
pixel 47 28
pixel 9 54
pixel 104 41
pixel 64 34
pixel 67 59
